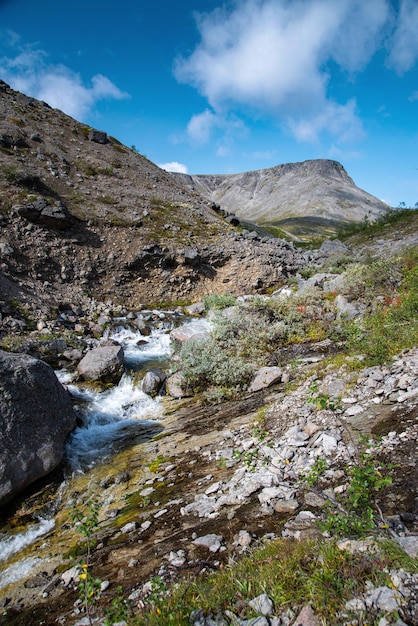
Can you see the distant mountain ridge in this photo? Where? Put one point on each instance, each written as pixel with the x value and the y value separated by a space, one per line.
pixel 319 188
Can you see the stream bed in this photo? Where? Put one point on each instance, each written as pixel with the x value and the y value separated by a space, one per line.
pixel 115 423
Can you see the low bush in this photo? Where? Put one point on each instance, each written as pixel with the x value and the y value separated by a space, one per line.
pixel 219 301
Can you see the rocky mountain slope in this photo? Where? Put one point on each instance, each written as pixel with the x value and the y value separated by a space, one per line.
pixel 80 213
pixel 318 191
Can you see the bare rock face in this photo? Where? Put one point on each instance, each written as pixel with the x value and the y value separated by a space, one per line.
pixel 36 415
pixel 318 188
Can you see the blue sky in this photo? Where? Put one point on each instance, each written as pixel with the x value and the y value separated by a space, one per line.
pixel 206 86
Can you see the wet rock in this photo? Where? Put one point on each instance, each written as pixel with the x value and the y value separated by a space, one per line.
pixel 104 363
pixel 153 381
pixel 36 416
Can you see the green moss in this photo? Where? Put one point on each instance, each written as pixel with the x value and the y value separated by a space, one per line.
pixel 155 465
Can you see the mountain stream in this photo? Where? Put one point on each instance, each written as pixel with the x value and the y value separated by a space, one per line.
pixel 115 423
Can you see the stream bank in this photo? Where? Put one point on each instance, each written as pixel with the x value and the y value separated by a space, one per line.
pixel 217 480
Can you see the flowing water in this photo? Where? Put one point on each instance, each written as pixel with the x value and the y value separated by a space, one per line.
pixel 118 417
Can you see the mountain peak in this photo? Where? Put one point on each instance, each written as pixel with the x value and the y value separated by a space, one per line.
pixel 290 194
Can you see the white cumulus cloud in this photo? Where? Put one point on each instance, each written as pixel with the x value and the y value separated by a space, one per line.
pixel 272 57
pixel 174 166
pixel 29 71
pixel 404 52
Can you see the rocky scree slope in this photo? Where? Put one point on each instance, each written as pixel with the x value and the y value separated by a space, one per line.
pixel 318 190
pixel 81 213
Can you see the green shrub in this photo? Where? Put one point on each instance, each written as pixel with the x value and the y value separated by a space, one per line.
pixel 219 301
pixel 368 281
pixel 204 363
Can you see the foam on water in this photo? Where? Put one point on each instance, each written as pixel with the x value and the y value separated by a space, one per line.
pixel 16 571
pixel 15 543
pixel 108 417
pixel 155 347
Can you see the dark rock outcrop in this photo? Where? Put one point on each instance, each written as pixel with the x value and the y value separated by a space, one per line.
pixel 41 212
pixel 36 415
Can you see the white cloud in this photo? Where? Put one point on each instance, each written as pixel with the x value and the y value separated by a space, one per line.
pixel 339 121
pixel 59 86
pixel 201 125
pixel 404 52
pixel 174 166
pixel 269 57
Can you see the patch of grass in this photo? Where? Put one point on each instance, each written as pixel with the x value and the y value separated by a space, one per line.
pixel 18 121
pixel 393 326
pixel 107 200
pixel 292 574
pixel 155 465
pixel 9 172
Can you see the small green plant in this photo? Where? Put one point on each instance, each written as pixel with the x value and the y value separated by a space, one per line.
pixel 119 611
pixel 357 512
pixel 248 457
pixel 89 587
pixel 322 401
pixel 316 471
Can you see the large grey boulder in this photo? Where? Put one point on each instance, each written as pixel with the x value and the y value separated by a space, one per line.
pixel 36 415
pixel 104 363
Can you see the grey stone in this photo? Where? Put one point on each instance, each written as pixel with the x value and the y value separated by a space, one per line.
pixel 6 249
pixel 176 386
pixel 306 617
pixel 384 599
pixel 153 381
pixel 262 604
pixel 212 542
pixel 36 416
pixel 98 136
pixel 185 332
pixel 409 544
pixel 104 363
pixel 198 308
pixel 265 377
pixel 346 309
pixel 40 211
